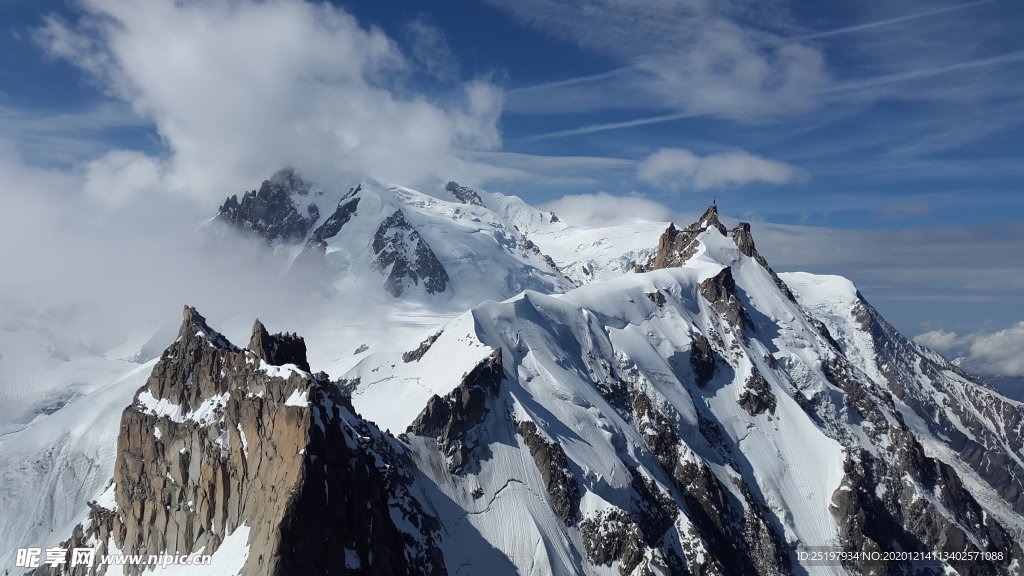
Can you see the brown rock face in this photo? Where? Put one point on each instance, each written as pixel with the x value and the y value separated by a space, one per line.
pixel 677 246
pixel 221 437
pixel 279 349
pixel 720 292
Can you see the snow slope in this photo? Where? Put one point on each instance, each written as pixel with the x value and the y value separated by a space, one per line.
pixel 569 359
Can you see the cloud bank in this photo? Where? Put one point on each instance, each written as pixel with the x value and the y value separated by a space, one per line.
pixel 236 89
pixel 985 353
pixel 603 209
pixel 677 169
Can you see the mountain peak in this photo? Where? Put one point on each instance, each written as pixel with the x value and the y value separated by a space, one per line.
pixel 676 246
pixel 464 194
pixel 271 211
pixel 193 325
pixel 278 349
pixel 709 219
pixel 289 180
pixel 745 242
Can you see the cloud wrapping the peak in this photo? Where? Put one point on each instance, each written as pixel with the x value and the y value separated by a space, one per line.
pixel 237 89
pixel 676 169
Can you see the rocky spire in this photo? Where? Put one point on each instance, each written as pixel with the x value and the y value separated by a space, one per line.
pixel 278 349
pixel 677 246
pixel 745 242
pixel 214 442
pixel 194 325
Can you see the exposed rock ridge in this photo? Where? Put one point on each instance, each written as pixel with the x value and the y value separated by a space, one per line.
pixel 423 348
pixel 994 452
pixel 563 491
pixel 464 194
pixel 452 420
pixel 877 508
pixel 270 211
pixel 330 228
pixel 676 246
pixel 720 291
pixel 703 359
pixel 217 439
pixel 278 349
pixel 407 257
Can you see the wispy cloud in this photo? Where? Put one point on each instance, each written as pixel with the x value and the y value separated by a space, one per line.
pixel 886 22
pixel 65 138
pixel 429 48
pixel 677 169
pixel 691 57
pixel 873 81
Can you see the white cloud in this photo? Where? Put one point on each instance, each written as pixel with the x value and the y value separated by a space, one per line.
pixel 121 176
pixel 942 341
pixel 998 352
pixel 603 209
pixel 984 353
pixel 237 89
pixel 678 169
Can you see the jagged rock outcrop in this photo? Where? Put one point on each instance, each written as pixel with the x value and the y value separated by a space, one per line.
pixel 676 246
pixel 270 211
pixel 702 359
pixel 423 348
pixel 407 258
pixel 278 349
pixel 563 492
pixel 985 429
pixel 661 424
pixel 464 194
pixel 452 420
pixel 611 535
pixel 342 214
pixel 720 292
pixel 757 397
pixel 657 298
pixel 222 439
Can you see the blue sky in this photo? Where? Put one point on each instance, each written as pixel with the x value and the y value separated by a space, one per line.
pixel 892 131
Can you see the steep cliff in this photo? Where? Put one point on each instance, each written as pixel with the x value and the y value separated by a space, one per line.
pixel 223 441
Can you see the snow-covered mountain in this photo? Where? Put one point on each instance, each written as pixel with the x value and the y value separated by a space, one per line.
pixel 449 246
pixel 630 400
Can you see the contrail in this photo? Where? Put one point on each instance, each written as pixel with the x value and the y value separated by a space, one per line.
pixel 853 85
pixel 914 74
pixel 571 81
pixel 591 128
pixel 843 87
pixel 869 25
pixel 824 34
